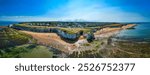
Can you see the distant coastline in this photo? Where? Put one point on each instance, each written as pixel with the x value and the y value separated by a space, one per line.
pixel 6 23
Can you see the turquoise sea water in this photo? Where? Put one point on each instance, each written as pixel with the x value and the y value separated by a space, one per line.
pixel 140 33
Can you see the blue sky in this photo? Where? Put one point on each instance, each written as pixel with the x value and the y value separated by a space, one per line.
pixel 71 10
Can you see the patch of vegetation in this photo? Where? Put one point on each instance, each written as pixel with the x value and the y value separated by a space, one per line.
pixel 86 54
pixel 76 30
pixel 127 49
pixel 87 44
pixel 113 25
pixel 120 54
pixel 96 44
pixel 10 37
pixel 141 50
pixel 26 51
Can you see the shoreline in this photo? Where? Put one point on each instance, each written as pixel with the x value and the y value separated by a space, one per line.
pixel 110 32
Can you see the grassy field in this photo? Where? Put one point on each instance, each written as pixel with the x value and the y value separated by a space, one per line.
pixel 26 51
pixel 133 49
pixel 15 44
pixel 11 37
pixel 76 30
pixel 126 49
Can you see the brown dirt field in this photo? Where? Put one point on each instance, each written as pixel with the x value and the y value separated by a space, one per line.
pixel 50 39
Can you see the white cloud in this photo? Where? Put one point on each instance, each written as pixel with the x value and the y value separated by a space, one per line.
pixel 95 12
pixel 87 11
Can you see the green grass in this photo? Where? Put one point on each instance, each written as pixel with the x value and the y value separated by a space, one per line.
pixel 86 54
pixel 87 44
pixel 75 30
pixel 38 52
pixel 26 51
pixel 141 50
pixel 114 25
pixel 96 44
pixel 11 37
pixel 127 49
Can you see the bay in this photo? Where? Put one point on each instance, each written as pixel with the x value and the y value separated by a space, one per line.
pixel 140 33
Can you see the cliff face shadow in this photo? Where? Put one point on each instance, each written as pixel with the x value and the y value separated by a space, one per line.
pixel 69 40
pixel 67 37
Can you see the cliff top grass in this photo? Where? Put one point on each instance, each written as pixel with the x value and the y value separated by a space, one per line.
pixel 26 51
pixel 11 37
pixel 113 25
pixel 76 30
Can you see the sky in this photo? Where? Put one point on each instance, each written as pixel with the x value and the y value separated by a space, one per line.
pixel 75 10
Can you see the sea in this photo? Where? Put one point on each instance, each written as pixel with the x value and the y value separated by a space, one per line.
pixel 140 33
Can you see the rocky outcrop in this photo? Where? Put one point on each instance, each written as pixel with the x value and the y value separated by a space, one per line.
pixel 90 37
pixel 67 36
